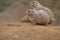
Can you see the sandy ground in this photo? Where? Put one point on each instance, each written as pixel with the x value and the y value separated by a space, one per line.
pixel 28 31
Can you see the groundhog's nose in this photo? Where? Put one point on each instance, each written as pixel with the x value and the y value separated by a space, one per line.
pixel 28 14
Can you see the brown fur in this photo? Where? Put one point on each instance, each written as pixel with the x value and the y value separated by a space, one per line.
pixel 38 6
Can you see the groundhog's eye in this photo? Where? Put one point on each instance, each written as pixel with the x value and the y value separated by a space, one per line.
pixel 36 3
pixel 28 11
pixel 33 2
pixel 32 11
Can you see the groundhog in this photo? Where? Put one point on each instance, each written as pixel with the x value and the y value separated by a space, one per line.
pixel 38 16
pixel 37 6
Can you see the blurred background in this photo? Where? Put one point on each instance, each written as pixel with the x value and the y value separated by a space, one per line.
pixel 14 10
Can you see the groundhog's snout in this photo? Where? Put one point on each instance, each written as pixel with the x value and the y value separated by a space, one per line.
pixel 28 14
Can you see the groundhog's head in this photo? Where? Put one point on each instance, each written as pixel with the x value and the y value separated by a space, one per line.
pixel 30 12
pixel 34 13
pixel 35 4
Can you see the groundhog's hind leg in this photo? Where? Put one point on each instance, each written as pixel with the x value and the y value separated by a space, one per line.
pixel 50 22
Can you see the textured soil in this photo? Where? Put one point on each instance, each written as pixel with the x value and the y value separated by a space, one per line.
pixel 28 31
